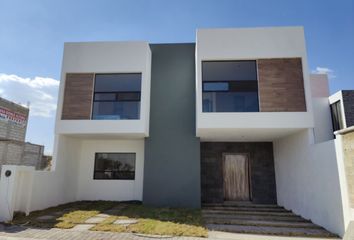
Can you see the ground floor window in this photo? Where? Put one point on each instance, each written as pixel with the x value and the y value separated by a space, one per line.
pixel 114 166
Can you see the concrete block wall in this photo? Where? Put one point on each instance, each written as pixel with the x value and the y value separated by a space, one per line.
pixel 21 153
pixel 13 148
pixel 12 153
pixel 348 154
pixel 10 130
pixel 32 155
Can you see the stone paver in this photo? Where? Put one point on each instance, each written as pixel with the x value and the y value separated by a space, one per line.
pixel 125 222
pixel 102 215
pixel 83 227
pixel 95 220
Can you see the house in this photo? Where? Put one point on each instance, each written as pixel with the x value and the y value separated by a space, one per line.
pixel 235 116
pixel 342 109
pixel 13 148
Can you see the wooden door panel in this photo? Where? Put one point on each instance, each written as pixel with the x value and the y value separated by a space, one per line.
pixel 236 177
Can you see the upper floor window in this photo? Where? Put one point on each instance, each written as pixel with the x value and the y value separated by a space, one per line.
pixel 117 96
pixel 230 86
pixel 336 112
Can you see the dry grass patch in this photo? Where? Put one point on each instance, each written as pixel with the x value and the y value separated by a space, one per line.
pixel 157 221
pixel 65 215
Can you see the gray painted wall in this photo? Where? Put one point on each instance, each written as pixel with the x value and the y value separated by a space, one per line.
pixel 172 152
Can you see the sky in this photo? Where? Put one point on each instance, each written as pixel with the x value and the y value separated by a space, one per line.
pixel 32 35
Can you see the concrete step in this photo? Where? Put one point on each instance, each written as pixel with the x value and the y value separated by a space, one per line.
pixel 279 231
pixel 264 223
pixel 240 204
pixel 293 218
pixel 255 212
pixel 259 209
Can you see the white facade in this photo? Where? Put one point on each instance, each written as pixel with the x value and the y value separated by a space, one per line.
pixel 308 165
pixel 107 57
pixel 119 190
pixel 321 111
pixel 250 44
pixel 77 141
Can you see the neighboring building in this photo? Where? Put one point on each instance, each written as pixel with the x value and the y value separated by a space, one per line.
pixel 342 109
pixel 347 139
pixel 13 148
pixel 177 124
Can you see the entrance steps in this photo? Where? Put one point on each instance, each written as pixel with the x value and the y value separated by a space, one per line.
pixel 266 219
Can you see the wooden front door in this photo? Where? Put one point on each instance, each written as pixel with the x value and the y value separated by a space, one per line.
pixel 236 177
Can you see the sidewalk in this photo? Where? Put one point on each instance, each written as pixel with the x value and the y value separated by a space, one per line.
pixel 22 233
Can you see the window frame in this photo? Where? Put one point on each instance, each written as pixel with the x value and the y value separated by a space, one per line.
pixel 119 179
pixel 206 82
pixel 229 84
pixel 116 93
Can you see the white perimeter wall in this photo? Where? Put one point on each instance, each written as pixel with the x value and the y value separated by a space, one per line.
pixel 119 190
pixel 310 180
pixel 59 186
pixel 28 190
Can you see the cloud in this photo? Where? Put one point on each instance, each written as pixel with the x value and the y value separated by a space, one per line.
pixel 324 70
pixel 37 82
pixel 39 92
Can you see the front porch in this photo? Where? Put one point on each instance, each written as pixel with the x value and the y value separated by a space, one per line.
pixel 260 219
pixel 238 171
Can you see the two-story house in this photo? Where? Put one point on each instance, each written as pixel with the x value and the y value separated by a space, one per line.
pixel 230 117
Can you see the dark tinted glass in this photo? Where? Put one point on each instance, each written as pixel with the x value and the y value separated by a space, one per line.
pixel 229 70
pixel 230 86
pixel 336 112
pixel 117 96
pixel 127 96
pixel 105 96
pixel 230 102
pixel 114 166
pixel 215 86
pixel 116 110
pixel 122 82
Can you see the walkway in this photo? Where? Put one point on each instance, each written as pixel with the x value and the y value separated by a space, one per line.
pixel 18 232
pixel 21 233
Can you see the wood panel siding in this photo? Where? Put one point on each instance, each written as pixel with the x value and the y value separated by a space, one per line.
pixel 77 96
pixel 281 85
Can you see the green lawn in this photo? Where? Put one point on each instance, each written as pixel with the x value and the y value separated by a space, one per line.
pixel 159 221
